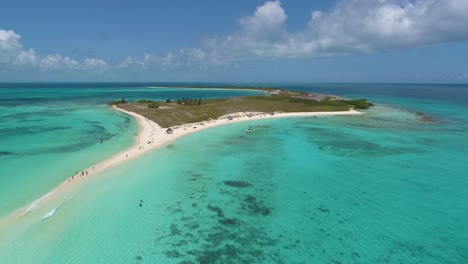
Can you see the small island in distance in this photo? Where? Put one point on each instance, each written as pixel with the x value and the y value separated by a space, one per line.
pixel 172 112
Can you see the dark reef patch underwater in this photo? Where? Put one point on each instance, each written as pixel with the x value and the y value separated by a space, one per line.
pixel 382 187
pixel 311 191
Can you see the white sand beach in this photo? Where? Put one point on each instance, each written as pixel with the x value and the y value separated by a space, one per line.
pixel 152 136
pixel 149 137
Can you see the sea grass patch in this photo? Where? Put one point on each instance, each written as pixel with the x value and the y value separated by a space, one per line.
pixel 238 184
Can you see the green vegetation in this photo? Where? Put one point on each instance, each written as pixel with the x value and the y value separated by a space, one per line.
pixel 143 101
pixel 260 88
pixel 356 104
pixel 153 105
pixel 303 98
pixel 189 101
pixel 121 101
pixel 360 103
pixel 190 110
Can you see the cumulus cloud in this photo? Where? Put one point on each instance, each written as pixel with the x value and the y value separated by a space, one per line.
pixel 10 45
pixel 369 25
pixel 170 60
pixel 57 62
pixel 259 35
pixel 13 55
pixel 26 58
pixel 349 26
pixel 95 64
pixel 266 24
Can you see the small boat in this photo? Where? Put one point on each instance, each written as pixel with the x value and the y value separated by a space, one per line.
pixel 248 130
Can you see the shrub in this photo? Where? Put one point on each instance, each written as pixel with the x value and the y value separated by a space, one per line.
pixel 143 101
pixel 153 105
pixel 360 103
pixel 190 101
pixel 121 101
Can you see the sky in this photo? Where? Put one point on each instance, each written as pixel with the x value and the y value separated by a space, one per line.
pixel 421 41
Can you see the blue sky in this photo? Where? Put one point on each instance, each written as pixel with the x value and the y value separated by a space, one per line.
pixel 235 41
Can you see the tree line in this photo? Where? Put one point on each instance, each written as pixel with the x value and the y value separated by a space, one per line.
pixel 189 101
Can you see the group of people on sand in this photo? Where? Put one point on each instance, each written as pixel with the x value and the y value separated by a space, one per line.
pixel 81 174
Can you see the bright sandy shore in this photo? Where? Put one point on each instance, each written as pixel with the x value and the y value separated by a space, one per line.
pixel 150 136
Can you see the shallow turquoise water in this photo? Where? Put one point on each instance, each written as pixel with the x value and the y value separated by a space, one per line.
pixel 48 132
pixel 43 145
pixel 384 187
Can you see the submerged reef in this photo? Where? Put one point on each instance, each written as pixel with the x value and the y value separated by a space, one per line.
pixel 240 184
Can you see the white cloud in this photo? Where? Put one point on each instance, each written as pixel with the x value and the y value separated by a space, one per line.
pixel 366 25
pixel 25 58
pixel 170 60
pixel 10 45
pixel 267 23
pixel 349 26
pixel 185 56
pixel 144 63
pixel 259 35
pixel 95 64
pixel 58 63
pixel 70 63
pixel 128 62
pixel 13 55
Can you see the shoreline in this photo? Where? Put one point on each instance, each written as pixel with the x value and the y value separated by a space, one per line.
pixel 150 136
pixel 214 89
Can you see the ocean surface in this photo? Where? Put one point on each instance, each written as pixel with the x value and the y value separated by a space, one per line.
pixel 50 131
pixel 388 186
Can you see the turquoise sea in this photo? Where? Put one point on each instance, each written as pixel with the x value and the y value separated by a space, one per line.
pixel 50 131
pixel 388 186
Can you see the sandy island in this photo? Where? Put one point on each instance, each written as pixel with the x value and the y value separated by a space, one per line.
pixel 149 137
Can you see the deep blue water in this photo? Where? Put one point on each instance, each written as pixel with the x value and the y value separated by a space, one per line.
pixel 19 94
